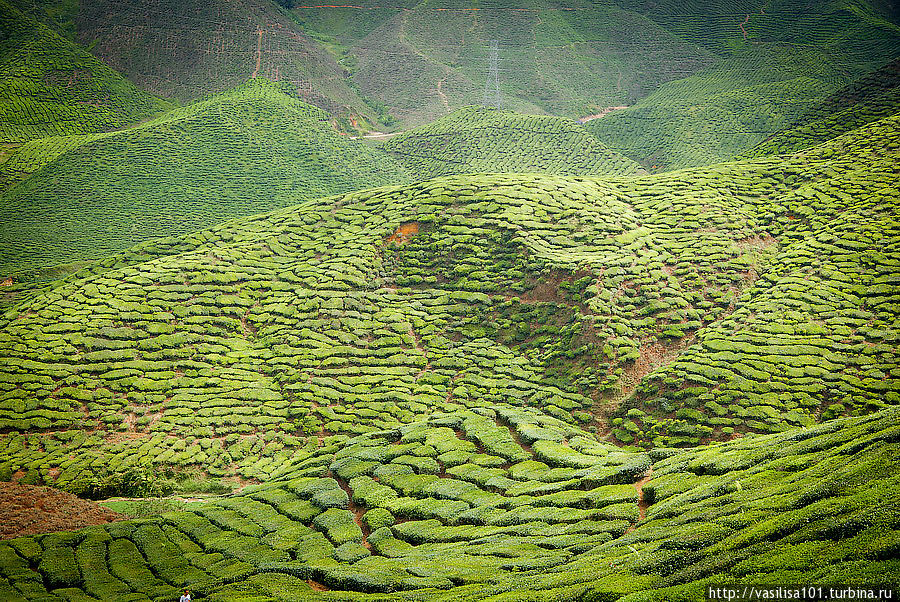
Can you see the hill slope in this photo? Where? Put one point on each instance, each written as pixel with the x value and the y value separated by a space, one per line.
pixel 667 310
pixel 417 511
pixel 873 97
pixel 51 86
pixel 188 49
pixel 424 59
pixel 482 140
pixel 792 60
pixel 248 150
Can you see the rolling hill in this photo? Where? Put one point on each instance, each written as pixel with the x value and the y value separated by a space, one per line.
pixel 51 86
pixel 792 60
pixel 672 310
pixel 185 50
pixel 500 356
pixel 873 97
pixel 485 140
pixel 248 150
pixel 424 59
pixel 460 507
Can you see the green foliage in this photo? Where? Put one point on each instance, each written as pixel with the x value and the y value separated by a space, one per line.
pixel 49 86
pixel 248 150
pixel 478 140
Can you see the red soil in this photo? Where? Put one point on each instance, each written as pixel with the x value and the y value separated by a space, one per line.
pixel 403 233
pixel 32 509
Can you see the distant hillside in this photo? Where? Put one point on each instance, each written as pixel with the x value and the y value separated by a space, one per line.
pixel 51 86
pixel 248 150
pixel 868 99
pixel 187 49
pixel 792 60
pixel 481 140
pixel 424 59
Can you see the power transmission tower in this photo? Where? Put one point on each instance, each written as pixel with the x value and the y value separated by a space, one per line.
pixel 492 84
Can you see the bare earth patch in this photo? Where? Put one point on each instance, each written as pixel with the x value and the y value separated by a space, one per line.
pixel 32 509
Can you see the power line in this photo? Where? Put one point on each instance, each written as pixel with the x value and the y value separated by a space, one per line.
pixel 492 83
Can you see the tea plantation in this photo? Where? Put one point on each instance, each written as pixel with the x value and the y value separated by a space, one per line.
pixel 186 49
pixel 771 281
pixel 793 58
pixel 503 503
pixel 50 86
pixel 499 356
pixel 872 97
pixel 484 140
pixel 248 150
pixel 422 60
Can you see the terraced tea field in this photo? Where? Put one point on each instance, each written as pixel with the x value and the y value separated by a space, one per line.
pixel 503 503
pixel 498 356
pixel 795 58
pixel 252 149
pixel 186 50
pixel 771 281
pixel 50 86
pixel 484 140
pixel 872 97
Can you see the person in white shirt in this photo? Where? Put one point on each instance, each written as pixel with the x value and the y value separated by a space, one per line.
pixel 186 597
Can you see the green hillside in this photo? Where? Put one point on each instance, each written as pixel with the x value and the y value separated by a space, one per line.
pixel 50 86
pixel 242 152
pixel 483 140
pixel 868 99
pixel 665 311
pixel 425 59
pixel 792 61
pixel 504 504
pixel 188 49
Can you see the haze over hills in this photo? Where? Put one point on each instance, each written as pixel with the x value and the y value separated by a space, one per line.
pixel 492 356
pixel 794 56
pixel 185 50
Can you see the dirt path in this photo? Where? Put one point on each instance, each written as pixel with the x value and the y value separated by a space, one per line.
pixel 746 20
pixel 33 509
pixel 443 96
pixel 642 502
pixel 375 135
pixel 259 32
pixel 602 113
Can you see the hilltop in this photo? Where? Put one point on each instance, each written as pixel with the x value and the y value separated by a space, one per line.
pixel 185 50
pixel 485 140
pixel 51 86
pixel 248 150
